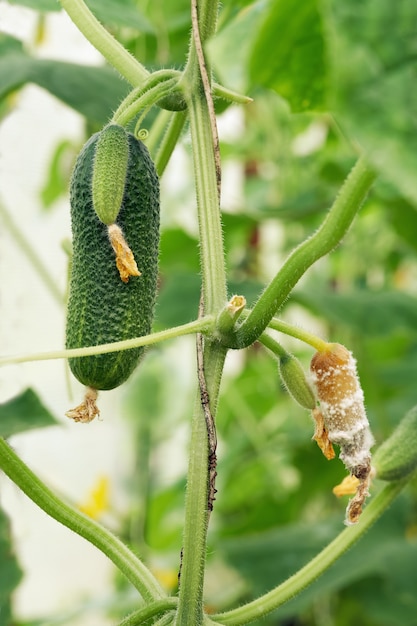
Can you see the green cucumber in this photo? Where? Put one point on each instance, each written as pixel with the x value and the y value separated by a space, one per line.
pixel 111 158
pixel 102 308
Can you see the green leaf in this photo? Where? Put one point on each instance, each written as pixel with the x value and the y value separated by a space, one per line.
pixel 403 217
pixel 265 559
pixel 229 49
pixel 76 85
pixel 10 572
pixel 178 299
pixel 9 44
pixel 369 312
pixel 289 54
pixel 113 12
pixel 374 56
pixel 120 13
pixel 38 5
pixel 24 412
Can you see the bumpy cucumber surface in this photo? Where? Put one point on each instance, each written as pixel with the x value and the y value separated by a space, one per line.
pixel 102 308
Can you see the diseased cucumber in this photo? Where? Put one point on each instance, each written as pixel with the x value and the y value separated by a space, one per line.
pixel 102 308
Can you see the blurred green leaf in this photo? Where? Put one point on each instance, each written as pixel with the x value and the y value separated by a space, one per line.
pixel 76 85
pixel 24 412
pixel 178 251
pixel 403 217
pixel 289 54
pixel 113 12
pixel 120 13
pixel 268 558
pixel 178 299
pixel 9 44
pixel 374 57
pixel 168 42
pixel 10 572
pixel 229 49
pixel 38 5
pixel 369 312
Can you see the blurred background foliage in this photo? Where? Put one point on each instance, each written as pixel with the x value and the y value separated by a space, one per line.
pixel 327 79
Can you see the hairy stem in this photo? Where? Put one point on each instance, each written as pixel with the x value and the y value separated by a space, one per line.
pixel 190 607
pixel 211 240
pixel 330 233
pixel 150 96
pixel 142 615
pixel 198 326
pixel 104 42
pixel 314 568
pixel 134 570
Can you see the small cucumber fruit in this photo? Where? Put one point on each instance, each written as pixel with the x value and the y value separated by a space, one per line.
pixel 101 307
pixel 111 159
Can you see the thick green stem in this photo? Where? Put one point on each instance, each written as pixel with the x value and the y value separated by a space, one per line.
pixel 211 240
pixel 335 226
pixel 190 608
pixel 207 22
pixel 314 568
pixel 134 570
pixel 104 42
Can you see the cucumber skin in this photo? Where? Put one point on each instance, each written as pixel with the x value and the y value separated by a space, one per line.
pixel 102 308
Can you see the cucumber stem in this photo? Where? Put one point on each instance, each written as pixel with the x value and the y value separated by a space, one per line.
pixel 313 569
pixel 104 42
pixel 136 572
pixel 328 236
pixel 204 324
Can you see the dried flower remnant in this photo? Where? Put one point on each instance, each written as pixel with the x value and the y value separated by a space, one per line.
pixel 341 420
pixel 321 436
pixel 87 410
pixel 125 261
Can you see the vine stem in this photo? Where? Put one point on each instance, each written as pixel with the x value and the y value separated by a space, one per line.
pixel 211 239
pixel 143 614
pixel 314 568
pixel 134 570
pixel 201 325
pixel 190 604
pixel 328 236
pixel 147 98
pixel 298 333
pixel 104 42
pixel 169 141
